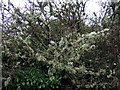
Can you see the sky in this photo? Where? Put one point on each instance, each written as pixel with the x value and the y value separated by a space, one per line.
pixel 91 5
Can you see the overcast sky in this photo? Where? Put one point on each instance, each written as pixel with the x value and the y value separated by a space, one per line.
pixel 91 5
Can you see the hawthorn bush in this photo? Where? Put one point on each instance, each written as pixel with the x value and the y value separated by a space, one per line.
pixel 61 52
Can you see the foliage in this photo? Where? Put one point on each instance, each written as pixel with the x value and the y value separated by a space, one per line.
pixel 44 52
pixel 33 78
pixel 80 57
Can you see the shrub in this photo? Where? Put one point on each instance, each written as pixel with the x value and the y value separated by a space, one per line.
pixel 34 78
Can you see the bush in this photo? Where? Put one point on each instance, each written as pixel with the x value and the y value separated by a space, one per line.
pixel 33 78
pixel 87 59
